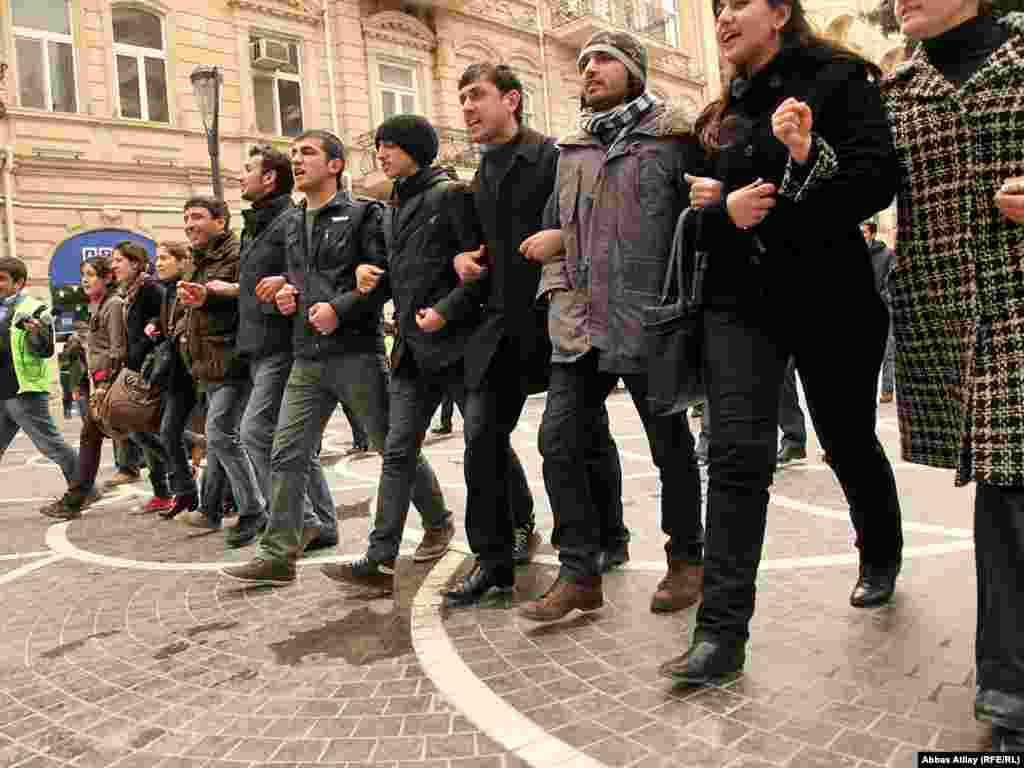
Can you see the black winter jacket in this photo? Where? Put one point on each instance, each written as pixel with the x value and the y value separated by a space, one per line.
pixel 144 310
pixel 432 221
pixel 509 289
pixel 346 233
pixel 810 245
pixel 262 330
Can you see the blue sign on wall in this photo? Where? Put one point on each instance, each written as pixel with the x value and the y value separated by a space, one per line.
pixel 65 266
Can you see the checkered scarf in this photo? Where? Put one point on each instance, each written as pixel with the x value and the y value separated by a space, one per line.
pixel 609 126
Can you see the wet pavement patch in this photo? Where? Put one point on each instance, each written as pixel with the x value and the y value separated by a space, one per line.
pixel 362 637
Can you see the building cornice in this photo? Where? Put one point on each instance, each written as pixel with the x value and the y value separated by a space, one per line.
pixel 69 168
pixel 294 10
pixel 400 29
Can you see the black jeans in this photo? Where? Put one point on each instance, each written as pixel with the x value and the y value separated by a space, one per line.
pixel 999 559
pixel 498 498
pixel 583 475
pixel 745 359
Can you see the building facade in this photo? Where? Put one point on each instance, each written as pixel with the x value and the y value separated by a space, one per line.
pixel 102 138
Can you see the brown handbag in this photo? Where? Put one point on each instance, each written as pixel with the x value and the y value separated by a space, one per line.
pixel 130 404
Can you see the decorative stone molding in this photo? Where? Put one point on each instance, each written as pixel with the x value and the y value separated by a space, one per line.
pixel 400 29
pixel 502 11
pixel 294 10
pixel 677 65
pixel 111 215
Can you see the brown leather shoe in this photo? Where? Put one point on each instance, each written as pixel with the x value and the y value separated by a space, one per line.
pixel 434 544
pixel 565 596
pixel 681 587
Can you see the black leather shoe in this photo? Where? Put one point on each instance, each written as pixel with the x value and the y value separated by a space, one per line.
pixel 1005 710
pixel 707 661
pixel 875 585
pixel 481 580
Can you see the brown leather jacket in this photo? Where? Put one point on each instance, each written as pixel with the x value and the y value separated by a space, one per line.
pixel 208 344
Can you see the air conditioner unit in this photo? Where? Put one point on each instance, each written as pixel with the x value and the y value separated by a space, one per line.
pixel 269 54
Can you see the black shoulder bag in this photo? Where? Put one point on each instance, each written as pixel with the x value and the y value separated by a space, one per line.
pixel 675 369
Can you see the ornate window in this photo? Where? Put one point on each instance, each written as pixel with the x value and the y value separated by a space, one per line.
pixel 140 65
pixel 45 55
pixel 397 91
pixel 277 86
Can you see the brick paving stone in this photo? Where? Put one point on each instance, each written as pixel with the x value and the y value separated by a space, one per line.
pixel 864 746
pixel 460 745
pixel 617 751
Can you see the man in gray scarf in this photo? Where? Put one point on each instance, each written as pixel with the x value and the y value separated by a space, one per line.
pixel 616 235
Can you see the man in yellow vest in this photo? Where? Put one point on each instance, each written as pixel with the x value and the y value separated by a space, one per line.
pixel 26 341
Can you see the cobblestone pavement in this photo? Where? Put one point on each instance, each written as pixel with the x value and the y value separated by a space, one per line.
pixel 121 644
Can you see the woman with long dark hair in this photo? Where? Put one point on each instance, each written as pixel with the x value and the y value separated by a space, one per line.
pixel 142 296
pixel 801 147
pixel 957 296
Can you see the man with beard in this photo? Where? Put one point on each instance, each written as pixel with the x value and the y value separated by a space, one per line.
pixel 617 237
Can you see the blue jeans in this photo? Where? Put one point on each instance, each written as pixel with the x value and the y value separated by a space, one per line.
pixel 315 387
pixel 414 396
pixel 269 377
pixel 31 412
pixel 227 402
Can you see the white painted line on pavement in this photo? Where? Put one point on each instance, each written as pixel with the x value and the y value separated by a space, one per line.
pixel 57 540
pixel 24 555
pixel 17 573
pixel 485 709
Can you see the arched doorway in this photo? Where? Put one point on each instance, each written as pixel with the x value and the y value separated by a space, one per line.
pixel 67 298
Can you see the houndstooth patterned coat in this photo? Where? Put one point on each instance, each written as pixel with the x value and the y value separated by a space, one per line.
pixel 958 282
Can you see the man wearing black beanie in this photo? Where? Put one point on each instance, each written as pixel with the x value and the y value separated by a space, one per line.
pixel 431 218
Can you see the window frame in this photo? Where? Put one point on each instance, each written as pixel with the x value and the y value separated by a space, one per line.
pixel 529 115
pixel 45 37
pixel 397 90
pixel 140 53
pixel 276 79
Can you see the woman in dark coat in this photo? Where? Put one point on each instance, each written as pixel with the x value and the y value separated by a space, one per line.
pixel 801 147
pixel 143 297
pixel 957 116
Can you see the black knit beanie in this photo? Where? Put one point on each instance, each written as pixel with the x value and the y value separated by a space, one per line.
pixel 412 133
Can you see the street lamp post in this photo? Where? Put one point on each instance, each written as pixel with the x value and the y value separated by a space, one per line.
pixel 206 83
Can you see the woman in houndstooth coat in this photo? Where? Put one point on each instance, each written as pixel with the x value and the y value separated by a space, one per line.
pixel 956 111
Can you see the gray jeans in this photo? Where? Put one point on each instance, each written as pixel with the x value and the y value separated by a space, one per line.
pixel 413 399
pixel 223 416
pixel 31 412
pixel 315 387
pixel 269 377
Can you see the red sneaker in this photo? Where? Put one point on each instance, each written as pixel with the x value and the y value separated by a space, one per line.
pixel 158 504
